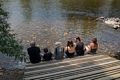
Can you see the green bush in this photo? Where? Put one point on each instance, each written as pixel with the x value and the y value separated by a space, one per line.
pixel 8 43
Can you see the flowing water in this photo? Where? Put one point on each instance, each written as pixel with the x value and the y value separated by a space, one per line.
pixel 48 21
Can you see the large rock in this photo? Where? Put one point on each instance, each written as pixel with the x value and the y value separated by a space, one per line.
pixel 113 22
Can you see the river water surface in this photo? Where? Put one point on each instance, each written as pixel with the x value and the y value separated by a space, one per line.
pixel 48 21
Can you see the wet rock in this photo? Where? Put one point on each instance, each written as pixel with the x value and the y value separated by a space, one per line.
pixel 116 26
pixel 113 22
pixel 65 33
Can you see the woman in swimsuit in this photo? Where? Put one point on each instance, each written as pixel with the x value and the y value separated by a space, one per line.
pixel 70 49
pixel 92 47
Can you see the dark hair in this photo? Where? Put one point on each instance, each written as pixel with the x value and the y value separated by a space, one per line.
pixel 68 43
pixel 94 40
pixel 45 50
pixel 78 38
pixel 71 44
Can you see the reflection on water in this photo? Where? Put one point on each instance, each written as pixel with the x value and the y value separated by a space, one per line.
pixel 27 10
pixel 82 5
pixel 48 21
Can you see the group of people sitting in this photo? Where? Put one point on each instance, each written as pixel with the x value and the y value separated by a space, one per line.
pixel 72 49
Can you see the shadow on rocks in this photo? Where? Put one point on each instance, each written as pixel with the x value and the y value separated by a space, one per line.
pixel 115 55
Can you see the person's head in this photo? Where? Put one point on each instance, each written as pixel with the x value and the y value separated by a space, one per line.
pixel 94 40
pixel 58 44
pixel 32 44
pixel 70 43
pixel 45 50
pixel 78 39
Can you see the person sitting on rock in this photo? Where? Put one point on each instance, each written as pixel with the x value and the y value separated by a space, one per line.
pixel 92 47
pixel 79 47
pixel 59 51
pixel 47 56
pixel 34 53
pixel 70 49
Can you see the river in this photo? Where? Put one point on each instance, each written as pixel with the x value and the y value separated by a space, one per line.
pixel 49 21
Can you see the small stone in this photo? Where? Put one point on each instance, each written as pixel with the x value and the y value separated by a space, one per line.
pixel 66 33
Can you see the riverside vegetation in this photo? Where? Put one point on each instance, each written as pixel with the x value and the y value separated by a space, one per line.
pixel 10 48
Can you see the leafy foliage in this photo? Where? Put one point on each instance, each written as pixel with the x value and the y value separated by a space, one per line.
pixel 8 44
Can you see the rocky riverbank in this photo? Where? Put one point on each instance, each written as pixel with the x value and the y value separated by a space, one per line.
pixel 16 74
pixel 115 55
pixel 11 69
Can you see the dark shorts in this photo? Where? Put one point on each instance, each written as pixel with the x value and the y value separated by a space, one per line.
pixel 80 53
pixel 70 55
pixel 93 51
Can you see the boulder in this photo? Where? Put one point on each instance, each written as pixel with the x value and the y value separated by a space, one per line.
pixel 113 22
